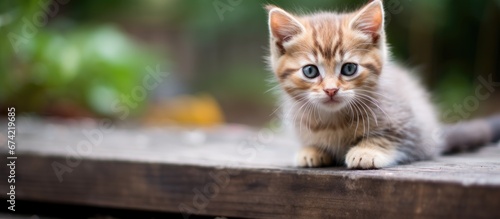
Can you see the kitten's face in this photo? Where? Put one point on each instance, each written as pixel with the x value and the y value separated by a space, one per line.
pixel 326 59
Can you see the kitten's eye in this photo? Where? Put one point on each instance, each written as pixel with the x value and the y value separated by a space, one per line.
pixel 310 71
pixel 349 69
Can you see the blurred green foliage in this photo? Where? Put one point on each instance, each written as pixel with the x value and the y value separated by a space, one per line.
pixel 85 66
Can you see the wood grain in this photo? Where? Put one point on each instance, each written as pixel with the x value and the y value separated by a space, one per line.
pixel 214 175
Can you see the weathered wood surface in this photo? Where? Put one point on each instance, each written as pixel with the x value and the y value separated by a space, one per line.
pixel 16 216
pixel 21 216
pixel 231 171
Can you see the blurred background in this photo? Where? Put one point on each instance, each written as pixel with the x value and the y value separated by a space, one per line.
pixel 164 62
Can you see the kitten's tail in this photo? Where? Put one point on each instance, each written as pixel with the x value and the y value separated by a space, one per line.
pixel 470 135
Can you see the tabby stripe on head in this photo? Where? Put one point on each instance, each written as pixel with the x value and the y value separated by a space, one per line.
pixel 316 43
pixel 294 92
pixel 339 41
pixel 373 69
pixel 281 48
pixel 287 72
pixel 341 52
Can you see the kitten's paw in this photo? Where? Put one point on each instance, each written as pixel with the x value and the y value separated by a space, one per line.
pixel 313 157
pixel 368 158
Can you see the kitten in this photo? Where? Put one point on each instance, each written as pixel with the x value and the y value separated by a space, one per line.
pixel 347 102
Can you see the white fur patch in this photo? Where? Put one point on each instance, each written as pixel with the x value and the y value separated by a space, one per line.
pixel 369 158
pixel 312 157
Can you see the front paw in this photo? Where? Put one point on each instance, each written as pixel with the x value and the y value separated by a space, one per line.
pixel 369 158
pixel 313 157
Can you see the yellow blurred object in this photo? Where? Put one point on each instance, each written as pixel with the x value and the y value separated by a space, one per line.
pixel 200 110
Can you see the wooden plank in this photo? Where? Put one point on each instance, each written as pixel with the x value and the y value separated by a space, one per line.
pixel 226 174
pixel 49 210
pixel 16 216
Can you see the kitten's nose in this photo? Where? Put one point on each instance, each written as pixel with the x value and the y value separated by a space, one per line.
pixel 331 91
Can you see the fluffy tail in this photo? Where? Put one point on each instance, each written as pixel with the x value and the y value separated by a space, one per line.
pixel 470 135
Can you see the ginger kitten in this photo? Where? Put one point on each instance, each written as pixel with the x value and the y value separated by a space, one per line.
pixel 347 102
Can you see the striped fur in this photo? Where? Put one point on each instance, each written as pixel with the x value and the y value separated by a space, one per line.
pixel 379 117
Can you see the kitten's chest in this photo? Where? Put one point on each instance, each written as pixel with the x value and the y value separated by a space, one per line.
pixel 328 131
pixel 326 138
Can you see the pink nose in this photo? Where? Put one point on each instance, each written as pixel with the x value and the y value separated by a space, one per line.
pixel 331 91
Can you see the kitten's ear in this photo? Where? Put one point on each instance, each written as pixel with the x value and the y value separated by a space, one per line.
pixel 370 19
pixel 282 25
